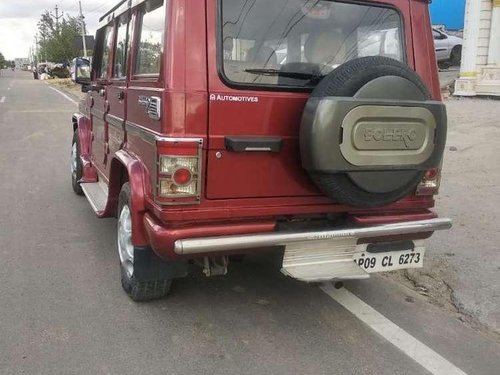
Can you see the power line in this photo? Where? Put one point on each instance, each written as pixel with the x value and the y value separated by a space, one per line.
pixel 98 9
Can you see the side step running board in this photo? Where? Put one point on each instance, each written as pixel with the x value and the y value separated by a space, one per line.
pixel 97 195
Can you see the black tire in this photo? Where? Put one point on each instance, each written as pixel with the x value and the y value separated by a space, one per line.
pixel 349 77
pixel 346 81
pixel 341 188
pixel 76 175
pixel 456 55
pixel 139 290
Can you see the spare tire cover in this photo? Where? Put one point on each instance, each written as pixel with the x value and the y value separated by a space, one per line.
pixel 370 131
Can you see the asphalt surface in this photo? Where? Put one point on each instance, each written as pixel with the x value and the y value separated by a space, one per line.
pixel 469 195
pixel 62 310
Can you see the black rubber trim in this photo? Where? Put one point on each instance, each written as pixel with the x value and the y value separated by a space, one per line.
pixel 98 113
pixel 115 121
pixel 248 144
pixel 384 247
pixel 149 267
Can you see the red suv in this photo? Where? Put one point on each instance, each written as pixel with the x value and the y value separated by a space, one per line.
pixel 217 128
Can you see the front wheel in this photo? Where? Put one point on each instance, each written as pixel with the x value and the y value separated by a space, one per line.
pixel 456 55
pixel 135 263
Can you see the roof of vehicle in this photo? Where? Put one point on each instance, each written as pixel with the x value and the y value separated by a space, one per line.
pixel 113 9
pixel 124 5
pixel 121 7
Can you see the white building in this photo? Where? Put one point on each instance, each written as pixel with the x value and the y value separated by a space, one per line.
pixel 480 69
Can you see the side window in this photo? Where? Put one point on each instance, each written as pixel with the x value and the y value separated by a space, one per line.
pixel 121 57
pixel 151 34
pixel 106 48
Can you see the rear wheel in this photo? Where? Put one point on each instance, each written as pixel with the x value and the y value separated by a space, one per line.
pixel 76 165
pixel 138 288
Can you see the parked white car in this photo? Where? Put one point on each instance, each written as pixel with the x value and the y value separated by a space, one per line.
pixel 448 47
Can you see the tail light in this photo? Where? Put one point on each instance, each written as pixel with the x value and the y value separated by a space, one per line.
pixel 179 171
pixel 430 183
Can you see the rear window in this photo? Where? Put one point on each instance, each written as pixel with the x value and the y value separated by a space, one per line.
pixel 105 52
pixel 151 34
pixel 294 43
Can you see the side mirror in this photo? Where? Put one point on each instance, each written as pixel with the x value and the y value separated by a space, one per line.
pixel 81 71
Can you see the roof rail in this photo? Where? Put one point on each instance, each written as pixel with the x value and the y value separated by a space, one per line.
pixel 112 9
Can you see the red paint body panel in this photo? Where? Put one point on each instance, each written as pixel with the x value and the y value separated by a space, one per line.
pixel 368 220
pixel 240 192
pixel 162 238
pixel 277 207
pixel 137 175
pixel 423 44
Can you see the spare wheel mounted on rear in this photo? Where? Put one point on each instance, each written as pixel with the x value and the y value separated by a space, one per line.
pixel 370 131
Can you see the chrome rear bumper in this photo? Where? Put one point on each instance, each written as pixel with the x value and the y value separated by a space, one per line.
pixel 230 243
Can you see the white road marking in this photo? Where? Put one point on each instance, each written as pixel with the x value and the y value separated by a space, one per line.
pixel 413 348
pixel 2 100
pixel 63 94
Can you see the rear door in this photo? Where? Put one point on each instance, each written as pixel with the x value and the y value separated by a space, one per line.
pixel 117 89
pixel 100 104
pixel 262 72
pixel 146 87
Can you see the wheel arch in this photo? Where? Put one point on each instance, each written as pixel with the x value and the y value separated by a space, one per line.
pixel 125 168
pixel 81 126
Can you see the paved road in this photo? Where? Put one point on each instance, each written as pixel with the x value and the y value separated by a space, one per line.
pixel 62 310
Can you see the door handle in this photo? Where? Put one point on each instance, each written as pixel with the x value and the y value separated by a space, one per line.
pixel 120 95
pixel 253 143
pixel 102 92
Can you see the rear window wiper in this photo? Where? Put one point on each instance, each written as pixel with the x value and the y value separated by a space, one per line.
pixel 281 73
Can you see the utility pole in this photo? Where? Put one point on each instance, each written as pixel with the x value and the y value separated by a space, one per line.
pixel 56 17
pixel 37 57
pixel 82 18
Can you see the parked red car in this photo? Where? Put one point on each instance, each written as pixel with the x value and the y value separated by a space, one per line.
pixel 214 128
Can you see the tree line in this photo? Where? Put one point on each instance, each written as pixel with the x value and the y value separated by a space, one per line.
pixel 56 39
pixel 4 62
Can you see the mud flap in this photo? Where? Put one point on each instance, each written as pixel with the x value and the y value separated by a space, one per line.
pixel 149 267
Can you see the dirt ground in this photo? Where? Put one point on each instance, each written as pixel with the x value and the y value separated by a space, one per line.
pixel 68 86
pixel 462 270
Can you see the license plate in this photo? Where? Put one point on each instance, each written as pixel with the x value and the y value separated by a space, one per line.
pixel 390 260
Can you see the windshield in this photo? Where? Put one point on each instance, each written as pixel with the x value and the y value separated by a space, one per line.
pixel 297 42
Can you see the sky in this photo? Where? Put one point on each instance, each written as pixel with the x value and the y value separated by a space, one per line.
pixel 18 20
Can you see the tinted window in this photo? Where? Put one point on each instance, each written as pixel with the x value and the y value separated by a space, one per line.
pixel 121 58
pixel 151 33
pixel 437 35
pixel 295 42
pixel 103 67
